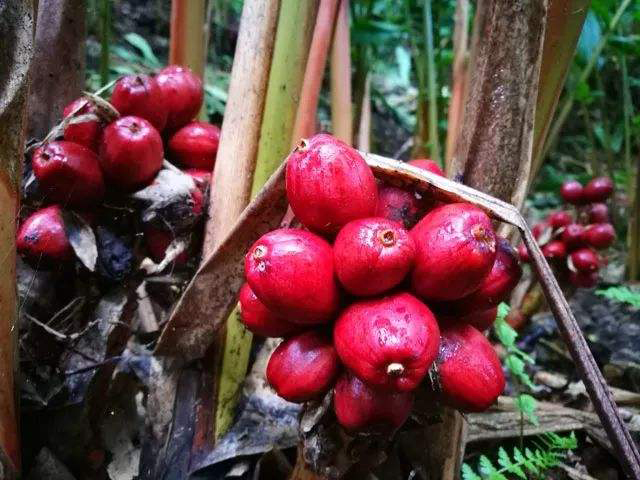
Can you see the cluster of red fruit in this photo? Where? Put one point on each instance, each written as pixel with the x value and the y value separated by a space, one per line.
pixel 569 240
pixel 123 153
pixel 373 312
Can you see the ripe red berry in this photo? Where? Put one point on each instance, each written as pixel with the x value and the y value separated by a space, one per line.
pixel 600 235
pixel 585 260
pixel 141 96
pixel 429 165
pixel 201 177
pixel 329 184
pixel 291 271
pixel 572 236
pixel 540 229
pixel 86 132
pixel 554 250
pixel 388 342
pixel 583 279
pixel 572 192
pixel 481 320
pixel 131 153
pixel 359 407
pixel 182 93
pixel 560 219
pixel 598 213
pixel 455 250
pixel 470 375
pixel 372 255
pixel 195 145
pixel 496 286
pixel 42 237
pixel 68 173
pixel 598 189
pixel 303 367
pixel 399 205
pixel 259 319
pixel 523 253
pixel 157 241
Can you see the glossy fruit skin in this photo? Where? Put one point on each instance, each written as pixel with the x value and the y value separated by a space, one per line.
pixel 523 253
pixel 68 173
pixel 259 319
pixel 598 213
pixel 600 235
pixel 303 367
pixel 85 133
pixel 560 219
pixel 585 260
pixel 554 250
pixel 572 192
pixel 291 271
pixel 469 370
pixel 539 228
pixel 372 255
pixel 195 145
pixel 572 236
pixel 429 165
pixel 42 237
pixel 131 153
pixel 598 189
pixel 399 205
pixel 182 93
pixel 455 250
pixel 157 241
pixel 359 408
pixel 140 96
pixel 329 184
pixel 497 285
pixel 481 320
pixel 388 342
pixel 583 279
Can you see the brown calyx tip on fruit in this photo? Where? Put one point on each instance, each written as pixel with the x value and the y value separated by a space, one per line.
pixel 482 235
pixel 303 145
pixel 134 127
pixel 387 237
pixel 395 369
pixel 260 251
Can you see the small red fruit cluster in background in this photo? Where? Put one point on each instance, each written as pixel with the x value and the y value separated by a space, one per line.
pixel 570 240
pixel 101 157
pixel 379 287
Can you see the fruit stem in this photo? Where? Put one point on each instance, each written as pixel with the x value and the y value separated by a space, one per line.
pixel 395 369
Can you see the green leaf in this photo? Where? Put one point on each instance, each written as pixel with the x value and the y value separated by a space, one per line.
pixel 468 473
pixel 485 466
pixel 621 294
pixel 505 333
pixel 141 44
pixel 527 405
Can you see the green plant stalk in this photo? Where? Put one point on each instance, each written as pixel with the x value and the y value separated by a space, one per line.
pixel 627 107
pixel 567 104
pixel 293 36
pixel 634 225
pixel 105 39
pixel 432 87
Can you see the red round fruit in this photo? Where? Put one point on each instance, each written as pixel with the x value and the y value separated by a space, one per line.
pixel 585 260
pixel 455 250
pixel 87 132
pixel 399 205
pixel 572 236
pixel 195 145
pixel 600 235
pixel 539 229
pixel 201 177
pixel 131 153
pixel 291 271
pixel 496 286
pixel 329 184
pixel 429 165
pixel 598 189
pixel 598 213
pixel 359 407
pixel 157 241
pixel 469 372
pixel 554 250
pixel 560 219
pixel 68 173
pixel 182 93
pixel 372 255
pixel 572 192
pixel 481 320
pixel 141 96
pixel 583 279
pixel 303 367
pixel 388 342
pixel 523 253
pixel 42 237
pixel 259 319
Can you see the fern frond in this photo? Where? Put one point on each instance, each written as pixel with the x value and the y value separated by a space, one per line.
pixel 621 294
